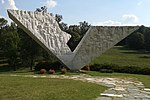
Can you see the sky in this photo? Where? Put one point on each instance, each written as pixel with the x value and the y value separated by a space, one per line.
pixel 95 12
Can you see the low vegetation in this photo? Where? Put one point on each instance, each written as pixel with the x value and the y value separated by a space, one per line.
pixel 120 59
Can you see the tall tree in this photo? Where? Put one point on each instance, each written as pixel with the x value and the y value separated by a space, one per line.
pixel 84 26
pixel 136 41
pixel 3 22
pixel 29 49
pixel 10 45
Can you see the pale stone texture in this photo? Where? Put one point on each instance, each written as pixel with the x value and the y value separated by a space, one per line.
pixel 43 28
pixel 97 40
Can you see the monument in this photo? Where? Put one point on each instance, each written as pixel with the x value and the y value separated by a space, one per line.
pixel 44 29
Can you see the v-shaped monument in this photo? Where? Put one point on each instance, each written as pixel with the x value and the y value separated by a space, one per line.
pixel 44 29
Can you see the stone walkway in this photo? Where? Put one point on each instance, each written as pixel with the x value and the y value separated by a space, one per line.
pixel 119 89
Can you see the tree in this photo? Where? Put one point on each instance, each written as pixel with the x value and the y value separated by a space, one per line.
pixel 77 32
pixel 147 39
pixel 3 22
pixel 84 26
pixel 136 41
pixel 58 18
pixel 10 45
pixel 29 49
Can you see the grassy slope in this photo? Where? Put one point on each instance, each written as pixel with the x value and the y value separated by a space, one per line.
pixel 122 57
pixel 21 88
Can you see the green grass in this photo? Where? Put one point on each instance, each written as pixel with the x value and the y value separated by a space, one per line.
pixel 123 57
pixel 145 79
pixel 22 88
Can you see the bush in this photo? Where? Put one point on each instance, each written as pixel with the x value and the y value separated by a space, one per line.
pixel 47 66
pixel 98 67
pixel 109 68
pixel 106 71
pixel 86 67
pixel 42 71
pixel 63 71
pixel 51 71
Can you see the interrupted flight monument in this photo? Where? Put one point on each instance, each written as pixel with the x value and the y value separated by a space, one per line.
pixel 43 28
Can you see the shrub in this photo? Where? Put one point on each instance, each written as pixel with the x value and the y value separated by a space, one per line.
pixel 42 71
pixel 106 71
pixel 86 67
pixel 63 71
pixel 95 67
pixel 51 71
pixel 47 66
pixel 109 68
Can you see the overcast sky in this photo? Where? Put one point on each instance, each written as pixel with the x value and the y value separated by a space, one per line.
pixel 96 12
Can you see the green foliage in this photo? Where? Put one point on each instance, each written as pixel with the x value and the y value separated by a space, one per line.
pixel 3 22
pixel 10 45
pixel 47 65
pixel 106 71
pixel 77 32
pixel 29 49
pixel 147 40
pixel 119 59
pixel 136 41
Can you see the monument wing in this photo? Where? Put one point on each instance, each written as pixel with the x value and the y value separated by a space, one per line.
pixel 44 29
pixel 97 40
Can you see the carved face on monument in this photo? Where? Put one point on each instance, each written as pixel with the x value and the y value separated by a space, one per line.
pixel 44 29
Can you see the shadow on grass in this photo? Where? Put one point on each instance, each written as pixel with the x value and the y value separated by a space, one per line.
pixel 145 57
pixel 5 68
pixel 136 52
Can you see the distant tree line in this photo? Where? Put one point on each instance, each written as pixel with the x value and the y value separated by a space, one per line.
pixel 20 50
pixel 138 40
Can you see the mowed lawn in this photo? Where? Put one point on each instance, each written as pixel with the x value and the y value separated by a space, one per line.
pixel 22 88
pixel 120 56
pixel 123 57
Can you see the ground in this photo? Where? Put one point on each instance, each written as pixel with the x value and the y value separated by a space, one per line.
pixel 74 86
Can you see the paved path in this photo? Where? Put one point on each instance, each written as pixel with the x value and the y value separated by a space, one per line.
pixel 119 89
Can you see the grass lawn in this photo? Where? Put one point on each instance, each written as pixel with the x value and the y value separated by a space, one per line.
pixel 22 88
pixel 120 56
pixel 123 57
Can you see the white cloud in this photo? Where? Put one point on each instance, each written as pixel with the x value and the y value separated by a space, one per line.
pixel 130 18
pixel 108 23
pixel 2 1
pixel 127 20
pixel 9 4
pixel 1 16
pixel 140 3
pixel 50 3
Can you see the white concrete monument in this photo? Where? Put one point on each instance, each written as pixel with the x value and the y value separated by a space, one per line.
pixel 44 29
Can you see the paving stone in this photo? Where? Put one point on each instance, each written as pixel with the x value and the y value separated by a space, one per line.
pixel 147 89
pixel 103 98
pixel 111 95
